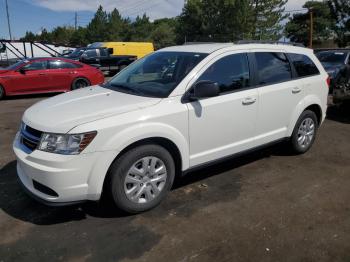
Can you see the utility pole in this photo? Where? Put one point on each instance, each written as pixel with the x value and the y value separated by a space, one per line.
pixel 8 19
pixel 75 20
pixel 311 27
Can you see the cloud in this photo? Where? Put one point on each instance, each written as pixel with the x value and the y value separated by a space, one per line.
pixel 153 8
pixel 295 4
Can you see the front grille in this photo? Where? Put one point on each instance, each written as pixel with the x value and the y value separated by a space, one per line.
pixel 29 138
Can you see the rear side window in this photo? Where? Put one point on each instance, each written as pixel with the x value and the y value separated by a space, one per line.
pixel 272 68
pixel 58 64
pixel 303 65
pixel 230 72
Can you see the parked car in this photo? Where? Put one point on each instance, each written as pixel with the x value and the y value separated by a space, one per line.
pixel 76 54
pixel 336 62
pixel 138 49
pixel 101 58
pixel 46 75
pixel 168 113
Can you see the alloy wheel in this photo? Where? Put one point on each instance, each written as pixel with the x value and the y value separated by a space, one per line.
pixel 145 180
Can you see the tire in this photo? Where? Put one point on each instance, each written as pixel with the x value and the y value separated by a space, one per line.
pixel 2 92
pixel 80 83
pixel 141 189
pixel 304 132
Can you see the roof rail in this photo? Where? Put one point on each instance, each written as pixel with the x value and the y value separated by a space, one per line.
pixel 241 42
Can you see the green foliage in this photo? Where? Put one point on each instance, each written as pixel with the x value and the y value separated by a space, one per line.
pixel 297 29
pixel 200 20
pixel 231 20
pixel 340 11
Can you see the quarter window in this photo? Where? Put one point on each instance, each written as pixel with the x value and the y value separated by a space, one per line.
pixel 230 72
pixel 303 65
pixel 272 68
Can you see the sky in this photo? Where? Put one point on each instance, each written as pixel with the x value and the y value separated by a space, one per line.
pixel 33 15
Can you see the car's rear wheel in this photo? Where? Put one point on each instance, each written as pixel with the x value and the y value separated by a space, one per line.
pixel 141 178
pixel 304 132
pixel 80 83
pixel 2 92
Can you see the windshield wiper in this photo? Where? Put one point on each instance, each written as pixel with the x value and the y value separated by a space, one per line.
pixel 125 88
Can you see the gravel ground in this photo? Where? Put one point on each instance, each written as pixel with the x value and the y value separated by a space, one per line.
pixel 266 206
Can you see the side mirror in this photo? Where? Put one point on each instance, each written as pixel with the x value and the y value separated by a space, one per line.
pixel 110 51
pixel 22 71
pixel 205 89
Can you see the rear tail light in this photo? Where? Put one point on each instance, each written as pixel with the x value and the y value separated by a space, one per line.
pixel 328 80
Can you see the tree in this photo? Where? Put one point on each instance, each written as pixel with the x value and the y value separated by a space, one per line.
pixel 267 18
pixel 297 29
pixel 163 34
pixel 340 11
pixel 231 20
pixel 97 29
pixel 116 26
pixel 141 28
pixel 29 37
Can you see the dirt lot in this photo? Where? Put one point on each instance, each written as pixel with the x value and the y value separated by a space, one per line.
pixel 268 206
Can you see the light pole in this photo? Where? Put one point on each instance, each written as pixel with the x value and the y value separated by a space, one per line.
pixel 311 26
pixel 8 19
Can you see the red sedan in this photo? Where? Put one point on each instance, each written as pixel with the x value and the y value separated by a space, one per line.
pixel 46 75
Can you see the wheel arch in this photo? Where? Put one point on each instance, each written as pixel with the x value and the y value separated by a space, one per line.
pixel 312 103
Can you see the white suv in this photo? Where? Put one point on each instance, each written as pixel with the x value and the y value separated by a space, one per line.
pixel 169 112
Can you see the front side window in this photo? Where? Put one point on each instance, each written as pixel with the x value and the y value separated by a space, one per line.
pixel 37 65
pixel 272 68
pixel 230 72
pixel 303 65
pixel 155 75
pixel 90 53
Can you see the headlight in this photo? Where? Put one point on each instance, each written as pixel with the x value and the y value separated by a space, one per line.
pixel 65 144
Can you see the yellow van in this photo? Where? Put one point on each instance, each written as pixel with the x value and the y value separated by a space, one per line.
pixel 139 49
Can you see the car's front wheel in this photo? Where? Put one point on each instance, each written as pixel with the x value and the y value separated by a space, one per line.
pixel 141 178
pixel 304 132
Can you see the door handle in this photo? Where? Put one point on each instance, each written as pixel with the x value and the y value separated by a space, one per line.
pixel 296 90
pixel 42 74
pixel 248 101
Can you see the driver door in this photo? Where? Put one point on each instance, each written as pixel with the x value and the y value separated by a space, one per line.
pixel 33 78
pixel 223 125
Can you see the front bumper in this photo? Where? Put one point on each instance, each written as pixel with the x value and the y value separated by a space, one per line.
pixel 72 178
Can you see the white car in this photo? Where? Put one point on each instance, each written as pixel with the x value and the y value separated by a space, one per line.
pixel 169 112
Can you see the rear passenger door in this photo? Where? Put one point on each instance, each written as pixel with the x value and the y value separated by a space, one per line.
pixel 279 94
pixel 62 74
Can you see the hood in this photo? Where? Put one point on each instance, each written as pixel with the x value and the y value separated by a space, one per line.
pixel 61 113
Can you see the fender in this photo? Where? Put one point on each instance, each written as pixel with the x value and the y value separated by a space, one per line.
pixel 302 105
pixel 123 139
pixel 141 131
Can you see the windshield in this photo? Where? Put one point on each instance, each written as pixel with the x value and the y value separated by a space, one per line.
pixel 332 57
pixel 19 63
pixel 77 52
pixel 155 75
